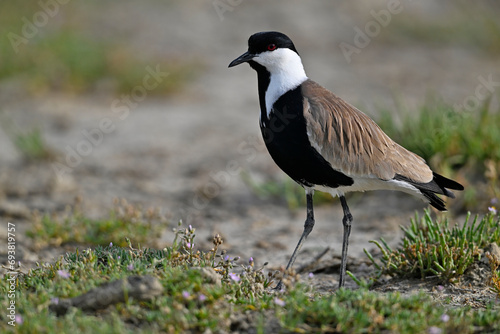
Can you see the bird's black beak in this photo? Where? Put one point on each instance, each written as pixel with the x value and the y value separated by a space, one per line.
pixel 246 57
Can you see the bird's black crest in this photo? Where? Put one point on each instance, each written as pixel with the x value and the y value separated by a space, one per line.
pixel 259 42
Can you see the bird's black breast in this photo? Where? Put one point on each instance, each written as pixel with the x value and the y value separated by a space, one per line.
pixel 285 136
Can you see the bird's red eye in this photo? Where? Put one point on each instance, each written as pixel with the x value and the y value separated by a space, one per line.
pixel 271 47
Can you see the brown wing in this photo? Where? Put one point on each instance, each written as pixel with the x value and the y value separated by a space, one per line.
pixel 352 142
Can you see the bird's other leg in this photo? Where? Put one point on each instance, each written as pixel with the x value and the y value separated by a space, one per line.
pixel 346 221
pixel 308 226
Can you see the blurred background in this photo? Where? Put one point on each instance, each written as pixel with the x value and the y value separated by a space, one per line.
pixel 120 118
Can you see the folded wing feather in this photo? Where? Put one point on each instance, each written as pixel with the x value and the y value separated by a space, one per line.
pixel 353 143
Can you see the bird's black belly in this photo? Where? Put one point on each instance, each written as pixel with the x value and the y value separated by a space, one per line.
pixel 285 136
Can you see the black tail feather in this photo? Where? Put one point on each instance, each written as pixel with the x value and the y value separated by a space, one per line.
pixel 438 185
pixel 434 200
pixel 444 183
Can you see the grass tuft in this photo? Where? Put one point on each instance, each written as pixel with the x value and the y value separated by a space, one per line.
pixel 32 146
pixel 431 248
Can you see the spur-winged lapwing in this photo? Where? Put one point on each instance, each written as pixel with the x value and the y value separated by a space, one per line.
pixel 324 143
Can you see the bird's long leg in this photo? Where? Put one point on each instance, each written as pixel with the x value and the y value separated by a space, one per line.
pixel 308 226
pixel 346 221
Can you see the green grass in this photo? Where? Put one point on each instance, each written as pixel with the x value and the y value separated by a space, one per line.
pixel 70 59
pixel 431 248
pixel 32 146
pixel 191 302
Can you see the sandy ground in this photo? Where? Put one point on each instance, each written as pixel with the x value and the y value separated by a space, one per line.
pixel 168 151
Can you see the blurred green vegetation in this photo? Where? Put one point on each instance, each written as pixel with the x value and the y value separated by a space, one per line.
pixel 431 248
pixel 29 143
pixel 473 25
pixel 32 146
pixel 68 59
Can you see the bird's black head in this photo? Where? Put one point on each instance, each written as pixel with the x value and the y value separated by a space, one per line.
pixel 269 41
pixel 266 46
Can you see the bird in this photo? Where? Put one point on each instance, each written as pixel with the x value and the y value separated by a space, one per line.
pixel 323 143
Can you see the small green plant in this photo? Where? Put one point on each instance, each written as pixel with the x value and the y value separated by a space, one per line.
pixel 32 146
pixel 29 143
pixel 430 247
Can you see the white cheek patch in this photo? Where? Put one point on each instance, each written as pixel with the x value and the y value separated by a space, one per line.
pixel 287 73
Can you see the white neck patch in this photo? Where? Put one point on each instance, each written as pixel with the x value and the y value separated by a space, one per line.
pixel 287 73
